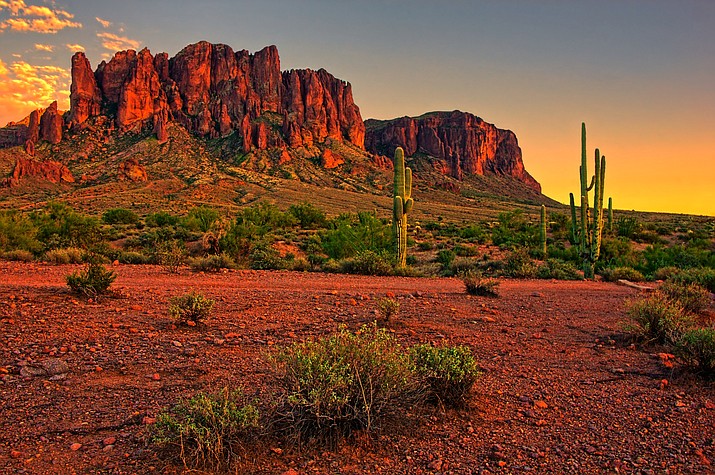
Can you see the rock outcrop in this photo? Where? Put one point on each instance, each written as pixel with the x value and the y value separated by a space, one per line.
pixel 131 170
pixel 213 91
pixel 467 144
pixel 51 124
pixel 52 171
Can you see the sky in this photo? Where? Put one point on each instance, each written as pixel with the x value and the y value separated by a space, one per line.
pixel 639 73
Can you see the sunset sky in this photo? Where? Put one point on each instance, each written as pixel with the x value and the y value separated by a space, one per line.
pixel 640 73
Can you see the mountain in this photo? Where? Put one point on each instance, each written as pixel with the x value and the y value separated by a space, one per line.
pixel 211 115
pixel 462 143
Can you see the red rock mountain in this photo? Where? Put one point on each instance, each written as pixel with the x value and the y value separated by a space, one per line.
pixel 467 144
pixel 213 91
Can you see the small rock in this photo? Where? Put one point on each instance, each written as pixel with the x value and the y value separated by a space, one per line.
pixel 16 454
pixel 75 447
pixel 277 450
pixel 107 448
pixel 290 471
pixel 176 344
pixel 541 404
pixel 109 441
pixel 146 420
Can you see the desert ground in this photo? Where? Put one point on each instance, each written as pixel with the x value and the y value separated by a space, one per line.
pixel 564 389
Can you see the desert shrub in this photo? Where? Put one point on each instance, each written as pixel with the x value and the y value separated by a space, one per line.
pixel 212 263
pixel 94 279
pixel 627 227
pixel 449 372
pixel 350 234
pixel 17 231
pixel 20 255
pixel 474 233
pixel 515 230
pixel 665 273
pixel 519 264
pixel 557 269
pixel 131 257
pixel 171 255
pixel 388 308
pixel 308 216
pixel 263 256
pixel 192 307
pixel 68 255
pixel 617 252
pixel 466 250
pixel 696 347
pixel 344 382
pixel 462 266
pixel 691 296
pixel 201 218
pixel 208 430
pixel 476 284
pixel 60 226
pixel 614 274
pixel 445 257
pixel 657 318
pixel 367 263
pixel 120 216
pixel 683 257
pixel 161 219
pixel 425 246
pixel 704 277
pixel 300 264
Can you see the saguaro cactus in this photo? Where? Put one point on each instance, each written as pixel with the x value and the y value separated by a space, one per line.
pixel 543 231
pixel 610 215
pixel 402 205
pixel 587 233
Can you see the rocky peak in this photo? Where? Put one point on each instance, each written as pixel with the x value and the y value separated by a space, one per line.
pixel 51 124
pixel 214 91
pixel 467 144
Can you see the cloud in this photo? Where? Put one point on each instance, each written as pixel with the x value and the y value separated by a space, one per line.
pixel 35 18
pixel 75 47
pixel 104 23
pixel 25 87
pixel 48 48
pixel 114 42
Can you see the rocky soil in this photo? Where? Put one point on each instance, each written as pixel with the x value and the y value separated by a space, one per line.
pixel 563 389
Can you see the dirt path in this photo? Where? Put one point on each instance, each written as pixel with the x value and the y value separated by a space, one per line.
pixel 563 391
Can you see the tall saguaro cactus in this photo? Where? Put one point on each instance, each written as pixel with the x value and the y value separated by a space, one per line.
pixel 542 228
pixel 401 206
pixel 587 232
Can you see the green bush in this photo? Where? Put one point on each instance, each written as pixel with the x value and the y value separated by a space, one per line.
pixel 192 307
pixel 349 235
pixel 445 257
pixel 208 430
pixel 559 270
pixel 703 276
pixel 120 216
pixel 449 372
pixel 17 232
pixel 476 284
pixel 161 219
pixel 94 279
pixel 20 255
pixel 657 318
pixel 60 226
pixel 692 297
pixel 614 274
pixel 171 255
pixel 308 216
pixel 345 382
pixel 515 230
pixel 520 265
pixel 201 218
pixel 131 257
pixel 697 348
pixel 68 255
pixel 212 263
pixel 367 263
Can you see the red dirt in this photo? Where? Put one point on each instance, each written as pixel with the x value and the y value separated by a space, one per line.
pixel 563 390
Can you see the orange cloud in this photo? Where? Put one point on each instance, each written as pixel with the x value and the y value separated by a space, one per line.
pixel 25 87
pixel 35 18
pixel 48 48
pixel 114 42
pixel 104 23
pixel 75 47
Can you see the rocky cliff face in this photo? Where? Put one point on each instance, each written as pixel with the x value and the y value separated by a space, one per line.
pixel 466 143
pixel 213 91
pixel 52 171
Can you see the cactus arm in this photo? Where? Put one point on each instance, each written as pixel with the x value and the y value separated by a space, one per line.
pixel 543 230
pixel 610 214
pixel 408 183
pixel 574 223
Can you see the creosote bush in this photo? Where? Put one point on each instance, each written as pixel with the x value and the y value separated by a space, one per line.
pixel 696 347
pixel 94 279
pixel 614 274
pixel 449 372
pixel 693 297
pixel 212 263
pixel 657 318
pixel 192 307
pixel 208 430
pixel 345 382
pixel 476 284
pixel 68 255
